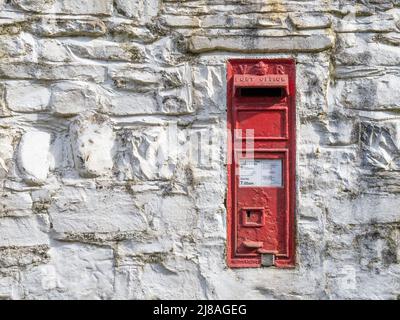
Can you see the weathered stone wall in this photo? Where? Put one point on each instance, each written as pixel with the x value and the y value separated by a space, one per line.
pixel 92 208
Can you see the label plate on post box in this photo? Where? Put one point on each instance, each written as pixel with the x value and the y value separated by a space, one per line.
pixel 261 176
pixel 260 173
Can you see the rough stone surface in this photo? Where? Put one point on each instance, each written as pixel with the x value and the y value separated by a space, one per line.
pixel 92 140
pixel 104 191
pixel 22 232
pixel 72 98
pixel 26 96
pixel 95 7
pixel 142 11
pixel 33 156
pixel 55 26
pixel 15 204
pixel 312 43
pixel 105 50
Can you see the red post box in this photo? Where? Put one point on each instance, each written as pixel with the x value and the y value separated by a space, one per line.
pixel 261 174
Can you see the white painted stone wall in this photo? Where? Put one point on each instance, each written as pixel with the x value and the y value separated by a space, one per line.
pixel 95 206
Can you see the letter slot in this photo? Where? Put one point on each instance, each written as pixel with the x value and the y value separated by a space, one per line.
pixel 261 176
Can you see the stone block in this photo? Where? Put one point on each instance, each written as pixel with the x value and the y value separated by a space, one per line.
pixel 130 30
pixel 315 20
pixel 362 49
pixel 151 153
pixel 6 152
pixel 22 232
pixel 209 93
pixel 72 98
pixel 92 140
pixel 93 7
pixel 49 71
pixel 109 51
pixel 22 257
pixel 68 26
pixel 380 145
pixel 4 111
pixel 364 209
pixel 372 23
pixel 16 204
pixel 33 156
pixel 392 38
pixel 25 96
pixel 53 50
pixel 181 21
pixel 165 90
pixel 14 48
pixel 141 11
pixel 78 211
pixel 71 267
pixel 367 93
pixel 181 276
pixel 125 104
pixel 247 21
pixel 80 266
pixel 311 43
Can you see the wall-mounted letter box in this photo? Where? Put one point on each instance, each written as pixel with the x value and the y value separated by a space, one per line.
pixel 261 167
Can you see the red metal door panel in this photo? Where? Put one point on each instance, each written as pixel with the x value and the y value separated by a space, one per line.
pixel 269 123
pixel 261 177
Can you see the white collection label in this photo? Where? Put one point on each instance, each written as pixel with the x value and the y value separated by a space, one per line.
pixel 260 173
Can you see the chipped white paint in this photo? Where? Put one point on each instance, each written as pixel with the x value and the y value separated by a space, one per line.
pixel 113 147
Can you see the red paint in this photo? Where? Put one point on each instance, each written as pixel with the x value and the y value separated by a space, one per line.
pixel 261 216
